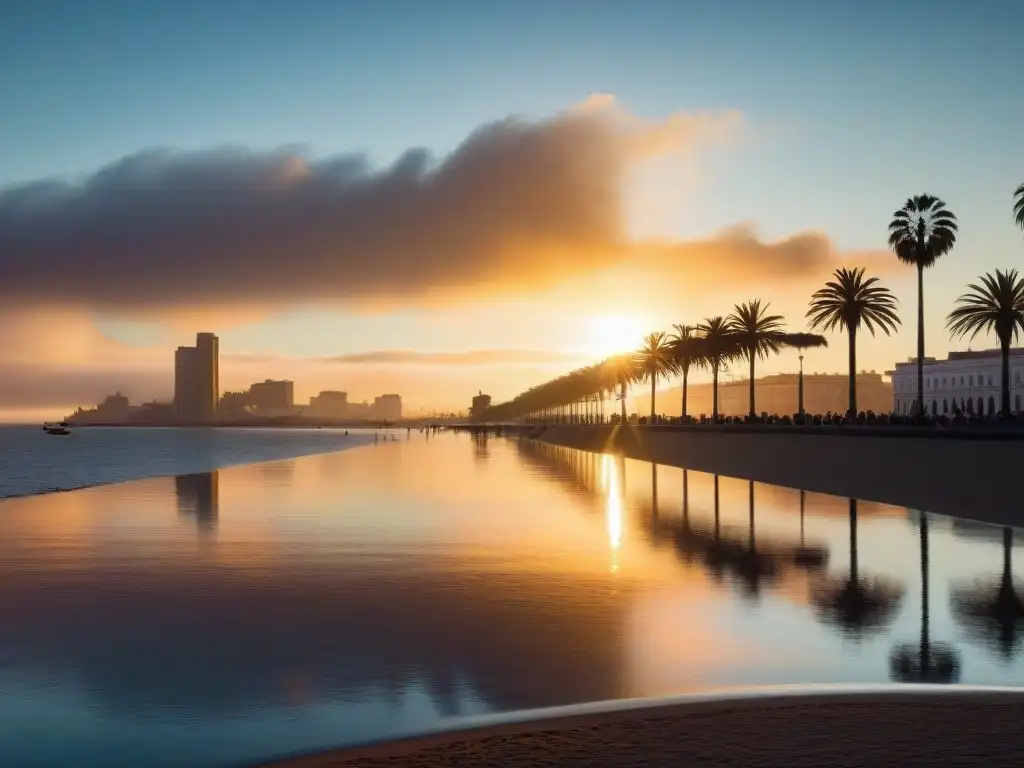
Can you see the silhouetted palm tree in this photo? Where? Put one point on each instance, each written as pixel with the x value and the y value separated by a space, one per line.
pixel 993 617
pixel 1018 206
pixel 757 334
pixel 920 232
pixel 719 347
pixel 654 359
pixel 625 373
pixel 995 305
pixel 802 341
pixel 846 303
pixel 927 662
pixel 685 349
pixel 856 604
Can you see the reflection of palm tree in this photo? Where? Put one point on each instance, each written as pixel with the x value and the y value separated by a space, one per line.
pixel 856 604
pixel 848 302
pixel 715 555
pixel 993 617
pixel 927 662
pixel 808 557
pixel 751 565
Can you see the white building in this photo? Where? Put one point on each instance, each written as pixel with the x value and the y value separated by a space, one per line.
pixel 969 381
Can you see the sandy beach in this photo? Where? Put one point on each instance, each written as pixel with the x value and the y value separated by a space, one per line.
pixel 952 727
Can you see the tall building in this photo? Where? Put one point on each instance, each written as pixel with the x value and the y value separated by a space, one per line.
pixel 197 379
pixel 270 394
pixel 387 407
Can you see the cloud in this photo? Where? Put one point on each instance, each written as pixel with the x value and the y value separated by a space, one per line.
pixel 502 357
pixel 517 205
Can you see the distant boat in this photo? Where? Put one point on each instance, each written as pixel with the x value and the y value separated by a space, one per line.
pixel 60 428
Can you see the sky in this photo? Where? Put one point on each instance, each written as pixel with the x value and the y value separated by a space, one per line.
pixel 435 199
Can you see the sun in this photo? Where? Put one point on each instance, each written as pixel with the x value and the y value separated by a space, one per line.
pixel 613 334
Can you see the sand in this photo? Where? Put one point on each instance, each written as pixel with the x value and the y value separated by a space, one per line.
pixel 953 728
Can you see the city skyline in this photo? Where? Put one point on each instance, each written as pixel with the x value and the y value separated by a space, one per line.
pixel 562 203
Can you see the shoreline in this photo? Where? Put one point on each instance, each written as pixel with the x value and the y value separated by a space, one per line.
pixel 360 440
pixel 915 725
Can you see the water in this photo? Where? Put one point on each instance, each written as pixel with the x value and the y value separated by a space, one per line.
pixel 32 461
pixel 266 609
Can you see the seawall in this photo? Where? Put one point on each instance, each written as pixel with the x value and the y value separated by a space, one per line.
pixel 967 474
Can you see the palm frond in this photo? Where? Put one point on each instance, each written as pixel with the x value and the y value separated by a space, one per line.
pixel 922 230
pixel 996 305
pixel 1018 206
pixel 850 301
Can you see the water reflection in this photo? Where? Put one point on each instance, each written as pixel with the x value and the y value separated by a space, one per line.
pixel 198 497
pixel 991 612
pixel 857 604
pixel 349 596
pixel 929 662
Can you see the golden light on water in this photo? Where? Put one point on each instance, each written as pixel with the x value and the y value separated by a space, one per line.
pixel 613 507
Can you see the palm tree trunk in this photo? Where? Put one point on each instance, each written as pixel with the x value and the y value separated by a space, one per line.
pixel 622 392
pixel 853 372
pixel 654 381
pixel 714 392
pixel 753 410
pixel 1007 555
pixel 1004 384
pixel 920 340
pixel 800 389
pixel 686 372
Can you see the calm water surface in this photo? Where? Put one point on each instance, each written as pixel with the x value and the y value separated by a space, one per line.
pixel 222 617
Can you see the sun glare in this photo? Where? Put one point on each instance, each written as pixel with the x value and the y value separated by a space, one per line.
pixel 613 334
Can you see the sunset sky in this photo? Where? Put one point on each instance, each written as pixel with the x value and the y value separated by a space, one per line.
pixel 436 198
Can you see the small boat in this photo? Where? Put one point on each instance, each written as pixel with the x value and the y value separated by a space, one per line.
pixel 57 429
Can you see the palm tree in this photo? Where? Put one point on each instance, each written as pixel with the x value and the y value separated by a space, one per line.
pixel 719 347
pixel 846 303
pixel 757 334
pixel 802 341
pixel 624 369
pixel 685 351
pixel 1018 207
pixel 920 232
pixel 997 304
pixel 654 359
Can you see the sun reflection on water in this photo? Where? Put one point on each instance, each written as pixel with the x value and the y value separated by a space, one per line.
pixel 613 507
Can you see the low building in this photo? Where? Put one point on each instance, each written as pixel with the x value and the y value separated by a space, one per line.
pixel 387 408
pixel 329 404
pixel 968 382
pixel 272 395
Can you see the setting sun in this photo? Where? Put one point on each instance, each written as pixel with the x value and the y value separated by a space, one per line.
pixel 613 334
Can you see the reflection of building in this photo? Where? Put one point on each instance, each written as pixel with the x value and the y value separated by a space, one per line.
pixel 268 395
pixel 481 403
pixel 966 381
pixel 778 394
pixel 198 496
pixel 329 404
pixel 197 379
pixel 387 408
